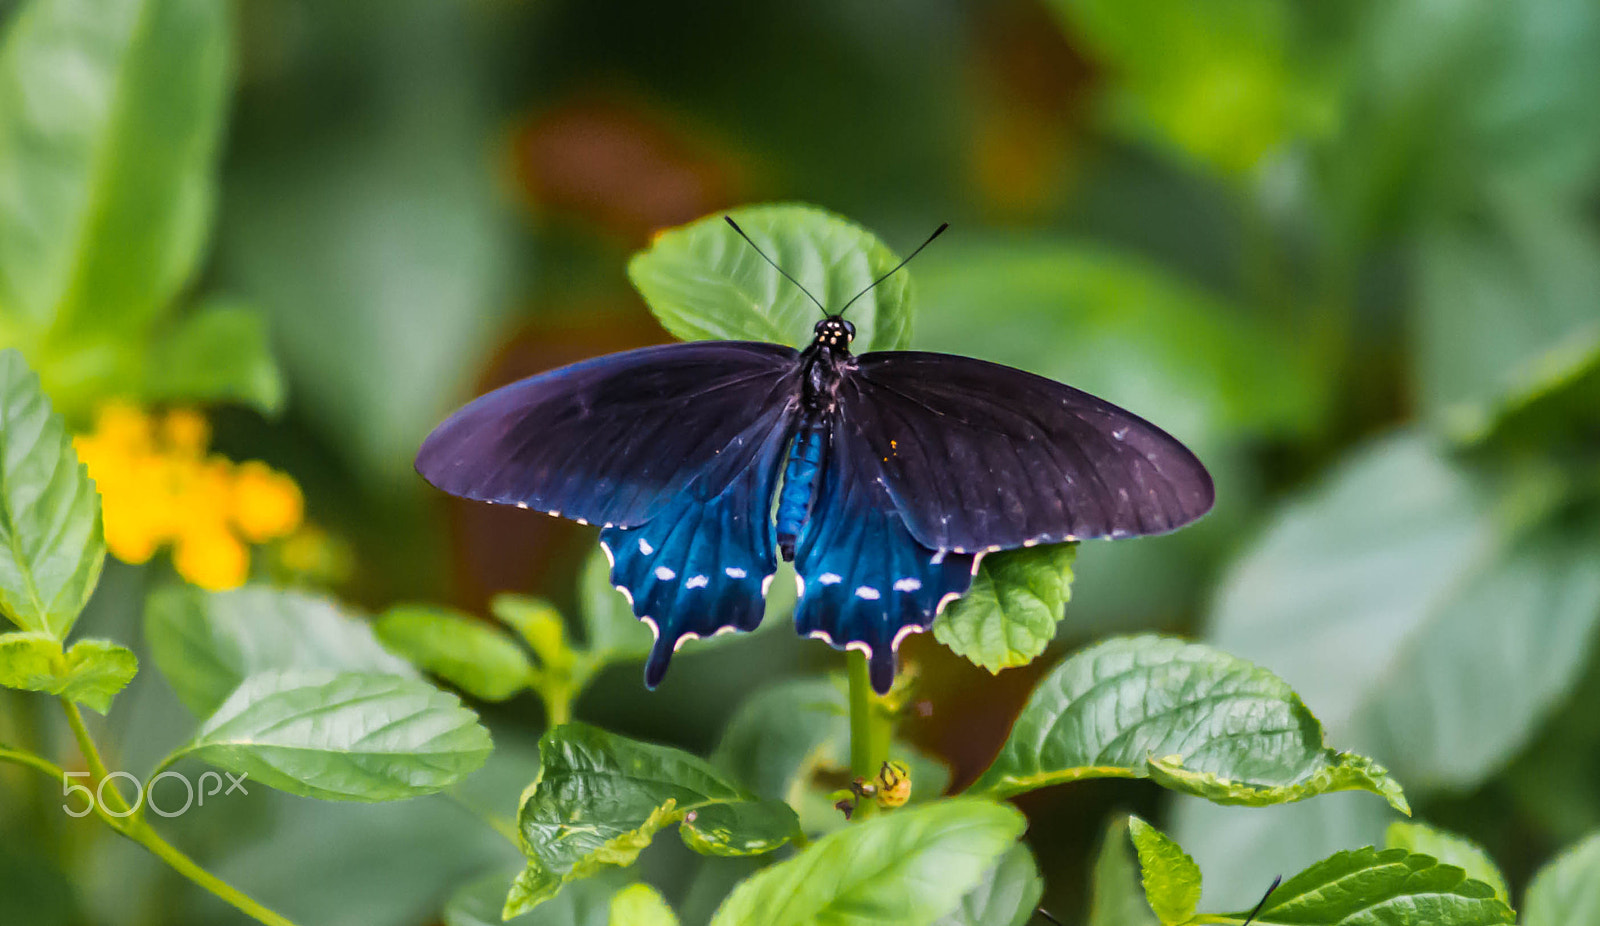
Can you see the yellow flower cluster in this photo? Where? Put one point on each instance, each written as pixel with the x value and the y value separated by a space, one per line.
pixel 159 486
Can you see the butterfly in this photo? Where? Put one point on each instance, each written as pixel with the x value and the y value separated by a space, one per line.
pixel 885 477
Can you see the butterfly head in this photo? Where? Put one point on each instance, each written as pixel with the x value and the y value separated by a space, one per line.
pixel 834 331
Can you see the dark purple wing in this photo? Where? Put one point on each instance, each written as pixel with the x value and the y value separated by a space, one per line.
pixel 617 439
pixel 978 456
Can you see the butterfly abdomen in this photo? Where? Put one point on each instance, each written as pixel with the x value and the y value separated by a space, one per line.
pixel 799 484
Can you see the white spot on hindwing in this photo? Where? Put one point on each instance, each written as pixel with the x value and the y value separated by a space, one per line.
pixel 734 572
pixel 611 558
pixel 628 595
pixel 645 547
pixel 908 584
pixel 904 632
pixel 868 593
pixel 799 585
pixel 830 578
pixel 697 582
pixel 938 556
pixel 655 632
pixel 766 584
pixel 684 638
pixel 665 574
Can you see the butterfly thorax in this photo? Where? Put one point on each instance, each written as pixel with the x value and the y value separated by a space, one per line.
pixel 823 366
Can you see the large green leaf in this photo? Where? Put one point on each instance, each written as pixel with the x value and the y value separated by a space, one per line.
pixel 601 798
pixel 464 651
pixel 1007 896
pixel 907 868
pixel 206 643
pixel 1387 595
pixel 1421 839
pixel 1116 898
pixel 91 672
pixel 1008 617
pixel 1505 311
pixel 342 736
pixel 787 735
pixel 1171 878
pixel 220 353
pixel 52 542
pixel 703 281
pixel 110 117
pixel 1193 718
pixel 1566 892
pixel 481 903
pixel 1369 886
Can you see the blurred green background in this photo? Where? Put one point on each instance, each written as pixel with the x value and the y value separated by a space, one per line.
pixel 1350 252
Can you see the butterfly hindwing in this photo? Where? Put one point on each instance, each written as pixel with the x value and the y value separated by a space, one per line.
pixel 979 456
pixel 702 565
pixel 614 440
pixel 865 581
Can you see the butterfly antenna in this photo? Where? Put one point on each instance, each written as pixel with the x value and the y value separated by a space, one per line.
pixel 936 233
pixel 735 226
pixel 1046 914
pixel 1254 913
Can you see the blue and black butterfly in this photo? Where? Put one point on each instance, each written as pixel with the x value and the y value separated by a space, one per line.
pixel 884 477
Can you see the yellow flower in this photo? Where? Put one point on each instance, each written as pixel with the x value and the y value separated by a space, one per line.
pixel 158 487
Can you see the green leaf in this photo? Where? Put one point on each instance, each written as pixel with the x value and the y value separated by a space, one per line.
pixel 1116 897
pixel 52 542
pixel 1008 617
pixel 1193 718
pixel 1386 596
pixel 539 624
pixel 1394 886
pixel 785 736
pixel 641 905
pixel 206 643
pixel 458 648
pixel 612 633
pixel 1566 892
pixel 106 179
pixel 92 672
pixel 221 353
pixel 1007 896
pixel 482 903
pixel 601 798
pixel 1450 849
pixel 703 281
pixel 342 736
pixel 1171 878
pixel 907 868
pixel 1123 327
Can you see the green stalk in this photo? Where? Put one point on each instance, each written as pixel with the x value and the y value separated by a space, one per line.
pixel 139 831
pixel 870 727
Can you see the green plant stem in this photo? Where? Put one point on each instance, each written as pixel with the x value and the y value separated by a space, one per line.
pixel 28 759
pixel 119 818
pixel 870 727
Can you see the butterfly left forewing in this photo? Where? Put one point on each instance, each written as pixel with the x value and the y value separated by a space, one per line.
pixel 978 456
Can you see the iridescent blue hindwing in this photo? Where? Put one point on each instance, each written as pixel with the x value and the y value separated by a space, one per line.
pixel 865 581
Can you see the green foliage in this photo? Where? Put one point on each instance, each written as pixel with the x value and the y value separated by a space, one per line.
pixel 600 799
pixel 207 643
pixel 612 632
pixel 467 653
pixel 1450 849
pixel 220 353
pixel 906 868
pixel 52 542
pixel 1171 878
pixel 1368 886
pixel 1116 898
pixel 1193 718
pixel 704 281
pixel 342 736
pixel 91 672
pixel 1008 617
pixel 1415 579
pixel 584 903
pixel 1007 896
pixel 1566 892
pixel 641 904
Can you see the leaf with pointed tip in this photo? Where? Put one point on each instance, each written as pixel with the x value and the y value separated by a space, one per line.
pixel 1009 615
pixel 1171 878
pixel 1117 898
pixel 907 868
pixel 52 543
pixel 703 281
pixel 1007 896
pixel 1191 717
pixel 1566 892
pixel 601 798
pixel 468 653
pixel 1421 839
pixel 483 903
pixel 206 643
pixel 342 736
pixel 1394 886
pixel 91 672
